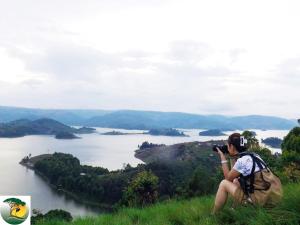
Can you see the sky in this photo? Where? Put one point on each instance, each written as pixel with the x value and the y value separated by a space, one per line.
pixel 232 57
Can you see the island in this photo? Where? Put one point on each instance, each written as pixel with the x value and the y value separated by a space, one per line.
pixel 44 126
pixel 65 135
pixel 273 142
pixel 166 132
pixel 114 133
pixel 212 132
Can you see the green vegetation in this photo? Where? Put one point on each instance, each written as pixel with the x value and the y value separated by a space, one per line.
pixel 142 191
pixel 213 132
pixel 56 214
pixel 146 145
pixel 274 142
pixel 183 187
pixel 292 141
pixel 20 128
pixel 197 211
pixel 108 188
pixel 65 135
pixel 65 172
pixel 114 133
pixel 291 155
pixel 166 132
pixel 252 141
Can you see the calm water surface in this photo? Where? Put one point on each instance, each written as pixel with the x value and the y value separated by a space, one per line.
pixel 110 151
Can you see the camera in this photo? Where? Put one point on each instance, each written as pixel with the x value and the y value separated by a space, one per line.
pixel 223 148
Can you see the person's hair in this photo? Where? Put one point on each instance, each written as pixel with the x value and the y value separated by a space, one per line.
pixel 235 140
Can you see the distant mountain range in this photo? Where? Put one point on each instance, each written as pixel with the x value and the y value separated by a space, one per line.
pixel 133 119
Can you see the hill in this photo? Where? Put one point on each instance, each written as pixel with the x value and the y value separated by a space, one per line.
pixel 197 210
pixel 146 120
pixel 45 126
pixel 66 116
pixel 129 119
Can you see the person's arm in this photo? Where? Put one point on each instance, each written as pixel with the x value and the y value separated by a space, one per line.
pixel 232 162
pixel 229 175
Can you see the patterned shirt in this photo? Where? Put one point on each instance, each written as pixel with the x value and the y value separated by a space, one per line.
pixel 244 165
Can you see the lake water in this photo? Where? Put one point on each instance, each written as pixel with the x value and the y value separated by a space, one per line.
pixel 109 151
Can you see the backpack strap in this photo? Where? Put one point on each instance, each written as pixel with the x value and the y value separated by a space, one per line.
pixel 247 182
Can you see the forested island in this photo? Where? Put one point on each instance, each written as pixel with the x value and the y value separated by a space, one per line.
pixel 212 132
pixel 23 127
pixel 273 142
pixel 114 133
pixel 166 132
pixel 65 135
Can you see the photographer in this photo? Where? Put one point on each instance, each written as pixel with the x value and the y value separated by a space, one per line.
pixel 250 181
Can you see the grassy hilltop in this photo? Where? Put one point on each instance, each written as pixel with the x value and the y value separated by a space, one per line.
pixel 186 207
pixel 197 211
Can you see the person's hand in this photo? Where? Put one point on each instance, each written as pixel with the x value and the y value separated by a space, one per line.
pixel 221 154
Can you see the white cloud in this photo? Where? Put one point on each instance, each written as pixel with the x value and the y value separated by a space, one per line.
pixel 227 57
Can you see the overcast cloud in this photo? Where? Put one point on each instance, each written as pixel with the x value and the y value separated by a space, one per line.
pixel 208 57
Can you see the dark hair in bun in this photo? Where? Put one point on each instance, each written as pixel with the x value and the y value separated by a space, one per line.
pixel 235 140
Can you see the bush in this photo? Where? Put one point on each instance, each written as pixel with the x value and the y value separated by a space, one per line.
pixel 57 214
pixel 292 141
pixel 142 190
pixel 201 183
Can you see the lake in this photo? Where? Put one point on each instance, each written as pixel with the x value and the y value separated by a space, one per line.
pixel 109 151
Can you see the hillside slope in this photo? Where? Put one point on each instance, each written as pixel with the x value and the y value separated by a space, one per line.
pixel 44 126
pixel 197 211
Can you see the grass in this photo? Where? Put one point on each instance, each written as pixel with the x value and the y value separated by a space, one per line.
pixel 197 211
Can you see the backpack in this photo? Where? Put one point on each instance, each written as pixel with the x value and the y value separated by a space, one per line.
pixel 261 187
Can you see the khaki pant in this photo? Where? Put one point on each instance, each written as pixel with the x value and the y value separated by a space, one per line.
pixel 266 198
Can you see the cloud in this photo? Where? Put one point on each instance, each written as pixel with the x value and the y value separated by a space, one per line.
pixel 189 51
pixel 32 83
pixel 236 53
pixel 155 55
pixel 289 70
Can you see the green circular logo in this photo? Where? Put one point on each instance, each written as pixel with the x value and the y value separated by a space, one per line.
pixel 14 211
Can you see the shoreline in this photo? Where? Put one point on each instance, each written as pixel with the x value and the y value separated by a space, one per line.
pixel 77 198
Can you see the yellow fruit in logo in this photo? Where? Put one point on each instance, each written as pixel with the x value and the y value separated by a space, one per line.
pixel 18 211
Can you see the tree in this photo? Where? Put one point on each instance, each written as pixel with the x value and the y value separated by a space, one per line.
pixel 292 172
pixel 252 141
pixel 291 154
pixel 201 183
pixel 292 141
pixel 56 214
pixel 142 190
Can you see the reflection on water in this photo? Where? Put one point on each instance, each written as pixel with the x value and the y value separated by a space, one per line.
pixel 110 151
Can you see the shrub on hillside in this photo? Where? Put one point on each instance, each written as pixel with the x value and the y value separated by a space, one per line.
pixel 202 182
pixel 142 191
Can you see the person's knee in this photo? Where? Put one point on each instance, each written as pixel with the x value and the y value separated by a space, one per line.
pixel 223 184
pixel 236 182
pixel 227 186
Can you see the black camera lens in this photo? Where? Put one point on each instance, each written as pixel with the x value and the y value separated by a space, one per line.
pixel 223 148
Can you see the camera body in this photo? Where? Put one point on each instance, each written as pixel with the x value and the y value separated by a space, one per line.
pixel 223 148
